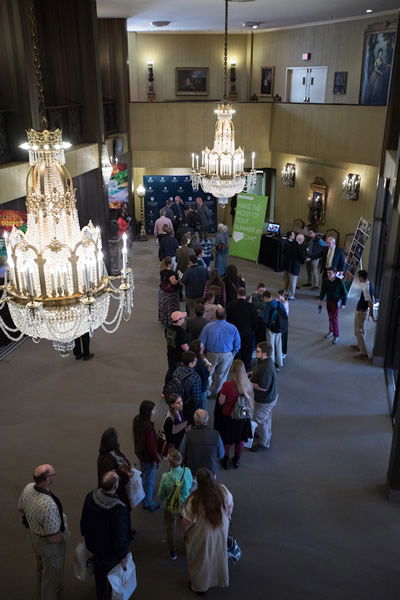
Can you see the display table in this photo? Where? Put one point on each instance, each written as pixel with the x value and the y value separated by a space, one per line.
pixel 271 252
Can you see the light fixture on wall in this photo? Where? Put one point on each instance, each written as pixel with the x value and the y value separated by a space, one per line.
pixel 141 192
pixel 106 166
pixel 222 169
pixel 232 91
pixel 289 174
pixel 351 186
pixel 56 285
pixel 151 95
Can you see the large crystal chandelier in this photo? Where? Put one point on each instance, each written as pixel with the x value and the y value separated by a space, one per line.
pixel 56 284
pixel 222 169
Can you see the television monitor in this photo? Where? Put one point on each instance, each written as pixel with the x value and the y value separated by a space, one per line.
pixel 272 229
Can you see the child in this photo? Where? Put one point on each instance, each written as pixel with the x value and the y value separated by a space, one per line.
pixel 283 297
pixel 206 244
pixel 176 476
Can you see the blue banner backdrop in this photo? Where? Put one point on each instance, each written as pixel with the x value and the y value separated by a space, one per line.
pixel 159 188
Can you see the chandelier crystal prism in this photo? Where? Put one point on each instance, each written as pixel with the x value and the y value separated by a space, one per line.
pixel 221 172
pixel 56 285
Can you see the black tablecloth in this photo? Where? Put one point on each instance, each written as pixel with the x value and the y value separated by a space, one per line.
pixel 271 252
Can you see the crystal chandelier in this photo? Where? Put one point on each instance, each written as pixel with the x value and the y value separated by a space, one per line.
pixel 351 186
pixel 222 169
pixel 56 284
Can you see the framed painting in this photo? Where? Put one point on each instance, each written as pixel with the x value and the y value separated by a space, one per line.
pixel 267 81
pixel 191 81
pixel 340 82
pixel 377 67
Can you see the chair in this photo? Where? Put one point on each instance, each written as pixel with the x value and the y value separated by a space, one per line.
pixel 333 233
pixel 348 238
pixel 298 225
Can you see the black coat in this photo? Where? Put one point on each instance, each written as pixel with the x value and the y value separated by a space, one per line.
pixel 293 257
pixel 243 315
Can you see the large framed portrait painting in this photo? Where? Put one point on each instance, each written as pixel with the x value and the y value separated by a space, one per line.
pixel 377 67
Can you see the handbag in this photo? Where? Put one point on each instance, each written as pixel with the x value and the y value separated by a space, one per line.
pixel 242 408
pixel 83 562
pixel 123 582
pixel 233 549
pixel 134 488
pixel 162 444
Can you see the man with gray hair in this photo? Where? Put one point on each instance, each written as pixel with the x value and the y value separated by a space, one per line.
pixel 105 525
pixel 43 515
pixel 202 446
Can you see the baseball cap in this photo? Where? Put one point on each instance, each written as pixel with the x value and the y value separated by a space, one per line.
pixel 176 315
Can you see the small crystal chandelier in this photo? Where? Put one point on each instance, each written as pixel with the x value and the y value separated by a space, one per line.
pixel 289 174
pixel 222 169
pixel 351 186
pixel 56 285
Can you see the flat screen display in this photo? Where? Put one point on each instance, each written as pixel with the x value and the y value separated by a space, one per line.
pixel 272 228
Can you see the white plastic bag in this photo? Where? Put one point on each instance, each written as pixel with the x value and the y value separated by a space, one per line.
pixel 123 583
pixel 134 488
pixel 249 442
pixel 83 562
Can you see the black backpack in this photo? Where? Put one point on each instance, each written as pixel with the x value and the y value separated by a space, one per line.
pixel 175 386
pixel 278 322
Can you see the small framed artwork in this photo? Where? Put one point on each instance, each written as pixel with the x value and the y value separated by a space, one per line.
pixel 267 81
pixel 191 81
pixel 377 66
pixel 340 82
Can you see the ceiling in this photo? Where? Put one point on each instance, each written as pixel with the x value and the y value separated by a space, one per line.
pixel 208 15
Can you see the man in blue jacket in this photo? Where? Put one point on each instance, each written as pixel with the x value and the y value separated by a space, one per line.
pixel 105 525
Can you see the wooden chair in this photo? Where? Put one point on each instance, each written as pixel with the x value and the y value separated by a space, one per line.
pixel 348 238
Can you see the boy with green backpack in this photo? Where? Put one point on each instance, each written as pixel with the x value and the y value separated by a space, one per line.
pixel 175 486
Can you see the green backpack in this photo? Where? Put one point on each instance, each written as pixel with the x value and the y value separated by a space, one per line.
pixel 175 502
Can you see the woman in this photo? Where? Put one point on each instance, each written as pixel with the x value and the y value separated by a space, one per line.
pixel 210 307
pixel 168 299
pixel 216 285
pixel 233 281
pixel 202 368
pixel 111 459
pixel 175 424
pixel 205 525
pixel 145 440
pixel 234 431
pixel 221 248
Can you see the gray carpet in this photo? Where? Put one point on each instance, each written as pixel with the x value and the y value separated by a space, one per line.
pixel 310 514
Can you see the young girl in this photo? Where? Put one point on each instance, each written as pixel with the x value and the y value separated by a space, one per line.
pixel 145 440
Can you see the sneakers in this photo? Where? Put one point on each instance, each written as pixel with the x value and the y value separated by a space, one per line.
pixel 361 356
pixel 152 507
pixel 329 335
pixel 335 340
pixel 173 555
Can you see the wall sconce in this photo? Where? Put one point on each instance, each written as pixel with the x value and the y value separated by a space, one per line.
pixel 106 166
pixel 289 174
pixel 232 91
pixel 151 96
pixel 141 191
pixel 351 186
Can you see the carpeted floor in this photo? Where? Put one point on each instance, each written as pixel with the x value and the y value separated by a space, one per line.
pixel 310 514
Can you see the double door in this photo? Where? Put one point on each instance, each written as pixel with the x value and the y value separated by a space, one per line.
pixel 306 84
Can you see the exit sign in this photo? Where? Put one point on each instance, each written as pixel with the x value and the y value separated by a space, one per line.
pixel 306 56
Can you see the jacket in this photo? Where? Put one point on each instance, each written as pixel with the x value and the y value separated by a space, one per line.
pixel 105 526
pixel 202 447
pixel 293 257
pixel 243 314
pixel 338 260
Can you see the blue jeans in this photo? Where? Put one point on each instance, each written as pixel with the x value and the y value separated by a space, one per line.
pixel 148 479
pixel 204 400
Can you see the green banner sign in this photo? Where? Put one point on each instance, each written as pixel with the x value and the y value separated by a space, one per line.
pixel 248 227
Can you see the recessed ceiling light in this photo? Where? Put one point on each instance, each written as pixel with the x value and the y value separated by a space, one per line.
pixel 369 10
pixel 252 24
pixel 160 23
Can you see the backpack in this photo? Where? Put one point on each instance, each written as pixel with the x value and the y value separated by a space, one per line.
pixel 278 322
pixel 175 502
pixel 242 409
pixel 175 386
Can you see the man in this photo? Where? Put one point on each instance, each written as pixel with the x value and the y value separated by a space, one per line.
pixel 365 307
pixel 258 303
pixel 265 388
pixel 105 525
pixel 313 252
pixel 169 213
pixel 243 315
pixel 168 245
pixel 191 384
pixel 202 446
pixel 336 295
pixel 177 341
pixel 160 222
pixel 195 324
pixel 183 253
pixel 221 340
pixel 275 320
pixel 194 280
pixel 204 216
pixel 43 515
pixel 293 257
pixel 331 256
pixel 178 208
